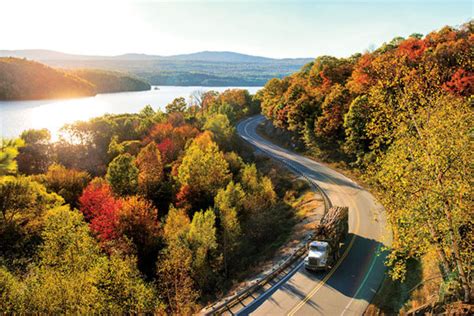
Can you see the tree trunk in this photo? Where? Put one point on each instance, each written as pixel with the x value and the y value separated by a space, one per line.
pixel 445 266
pixel 457 257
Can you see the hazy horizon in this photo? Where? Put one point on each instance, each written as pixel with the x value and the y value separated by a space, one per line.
pixel 157 55
pixel 299 29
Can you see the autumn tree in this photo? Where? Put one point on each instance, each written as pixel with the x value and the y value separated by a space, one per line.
pixel 72 276
pixel 329 127
pixel 150 170
pixel 8 153
pixel 100 208
pixel 23 204
pixel 122 174
pixel 425 179
pixel 174 265
pixel 203 171
pixel 68 183
pixel 168 150
pixel 273 102
pixel 138 222
pixel 160 132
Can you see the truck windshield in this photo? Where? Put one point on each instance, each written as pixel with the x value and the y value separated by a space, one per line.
pixel 318 247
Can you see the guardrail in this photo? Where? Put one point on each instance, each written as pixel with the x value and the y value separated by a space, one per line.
pixel 237 298
pixel 225 306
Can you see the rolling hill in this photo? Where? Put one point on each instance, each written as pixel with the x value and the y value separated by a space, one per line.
pixel 22 79
pixel 206 68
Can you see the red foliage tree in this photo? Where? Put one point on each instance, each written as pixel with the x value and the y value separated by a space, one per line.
pixel 361 76
pixel 184 133
pixel 100 208
pixel 461 83
pixel 160 131
pixel 183 196
pixel 412 48
pixel 168 150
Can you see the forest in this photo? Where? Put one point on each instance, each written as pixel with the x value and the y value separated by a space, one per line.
pixel 110 81
pixel 21 79
pixel 401 117
pixel 150 212
pixel 161 211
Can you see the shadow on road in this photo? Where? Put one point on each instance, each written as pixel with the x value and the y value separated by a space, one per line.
pixel 358 277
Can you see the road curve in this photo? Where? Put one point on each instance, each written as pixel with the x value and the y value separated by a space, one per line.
pixel 349 287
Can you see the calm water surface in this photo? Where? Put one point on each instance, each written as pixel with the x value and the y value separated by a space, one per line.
pixel 16 116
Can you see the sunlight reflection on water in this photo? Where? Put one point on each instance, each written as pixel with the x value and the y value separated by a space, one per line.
pixel 17 116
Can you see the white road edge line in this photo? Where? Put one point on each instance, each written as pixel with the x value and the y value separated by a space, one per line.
pixel 270 290
pixel 368 273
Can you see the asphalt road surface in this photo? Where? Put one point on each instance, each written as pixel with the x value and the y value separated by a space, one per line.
pixel 349 287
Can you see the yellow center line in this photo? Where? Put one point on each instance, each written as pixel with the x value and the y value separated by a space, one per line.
pixel 341 259
pixel 338 263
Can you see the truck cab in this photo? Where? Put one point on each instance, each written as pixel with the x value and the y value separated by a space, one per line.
pixel 318 256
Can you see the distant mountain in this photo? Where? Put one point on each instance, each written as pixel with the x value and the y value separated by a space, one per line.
pixel 43 55
pixel 206 68
pixel 228 57
pixel 208 56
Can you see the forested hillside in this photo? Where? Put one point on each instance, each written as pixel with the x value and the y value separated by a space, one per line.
pixel 402 116
pixel 21 79
pixel 110 81
pixel 151 212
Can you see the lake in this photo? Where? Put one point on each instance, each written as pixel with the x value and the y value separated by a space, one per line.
pixel 17 116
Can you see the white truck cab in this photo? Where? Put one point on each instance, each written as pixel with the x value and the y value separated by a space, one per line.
pixel 317 258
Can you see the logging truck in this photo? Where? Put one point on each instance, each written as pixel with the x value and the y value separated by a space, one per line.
pixel 324 249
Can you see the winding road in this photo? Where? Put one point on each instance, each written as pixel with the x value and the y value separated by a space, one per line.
pixel 349 287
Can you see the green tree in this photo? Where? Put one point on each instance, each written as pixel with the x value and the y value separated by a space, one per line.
pixel 221 129
pixel 203 242
pixel 8 153
pixel 36 155
pixel 177 105
pixel 228 203
pixel 355 121
pixel 259 189
pixel 122 174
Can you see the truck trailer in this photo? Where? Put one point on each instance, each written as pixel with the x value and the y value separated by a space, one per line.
pixel 328 239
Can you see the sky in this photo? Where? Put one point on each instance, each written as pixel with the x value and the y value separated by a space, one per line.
pixel 279 29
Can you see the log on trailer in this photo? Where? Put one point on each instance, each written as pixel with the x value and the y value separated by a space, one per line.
pixel 333 228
